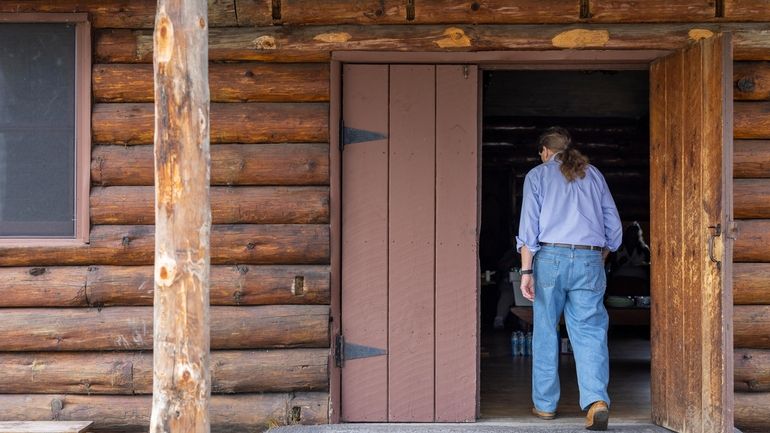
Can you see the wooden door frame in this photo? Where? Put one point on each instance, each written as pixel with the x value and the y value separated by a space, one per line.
pixel 555 60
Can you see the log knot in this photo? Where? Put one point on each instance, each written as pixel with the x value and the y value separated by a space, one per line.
pixel 165 271
pixel 581 38
pixel 698 34
pixel 453 37
pixel 264 43
pixel 746 84
pixel 334 37
pixel 36 272
pixel 164 38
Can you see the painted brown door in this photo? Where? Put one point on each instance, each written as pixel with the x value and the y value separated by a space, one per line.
pixel 691 188
pixel 409 243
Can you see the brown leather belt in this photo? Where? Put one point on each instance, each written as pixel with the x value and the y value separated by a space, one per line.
pixel 576 247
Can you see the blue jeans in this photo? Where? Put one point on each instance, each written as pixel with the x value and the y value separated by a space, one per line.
pixel 572 281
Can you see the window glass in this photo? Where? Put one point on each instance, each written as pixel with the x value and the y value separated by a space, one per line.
pixel 37 130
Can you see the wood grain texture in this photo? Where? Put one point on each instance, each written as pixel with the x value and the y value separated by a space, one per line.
pixel 753 241
pixel 239 205
pixel 456 296
pixel 752 326
pixel 364 291
pixel 752 120
pixel 117 14
pixel 751 283
pixel 254 12
pixel 752 80
pixel 751 198
pixel 229 413
pixel 752 159
pixel 105 286
pixel 130 328
pixel 411 252
pixel 746 10
pixel 309 12
pixel 651 11
pixel 752 370
pixel 752 410
pixel 315 43
pixel 44 426
pixel 231 164
pixel 496 12
pixel 242 82
pixel 230 244
pixel 253 122
pixel 128 373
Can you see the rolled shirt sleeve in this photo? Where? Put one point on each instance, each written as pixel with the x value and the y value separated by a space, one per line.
pixel 529 222
pixel 613 229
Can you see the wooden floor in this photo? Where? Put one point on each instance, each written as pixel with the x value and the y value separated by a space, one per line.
pixel 506 381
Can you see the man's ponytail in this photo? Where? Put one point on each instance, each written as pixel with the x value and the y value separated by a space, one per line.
pixel 573 163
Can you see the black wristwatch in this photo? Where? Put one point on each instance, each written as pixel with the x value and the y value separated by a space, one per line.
pixel 525 271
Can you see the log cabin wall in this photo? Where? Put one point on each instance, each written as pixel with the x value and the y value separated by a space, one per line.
pixel 76 324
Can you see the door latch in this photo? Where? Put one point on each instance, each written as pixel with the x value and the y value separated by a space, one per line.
pixel 716 231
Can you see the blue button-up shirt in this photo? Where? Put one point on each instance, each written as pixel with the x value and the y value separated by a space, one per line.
pixel 581 212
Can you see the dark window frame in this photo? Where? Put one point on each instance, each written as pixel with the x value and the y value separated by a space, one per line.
pixel 82 177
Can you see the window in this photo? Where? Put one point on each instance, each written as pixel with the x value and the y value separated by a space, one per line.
pixel 44 127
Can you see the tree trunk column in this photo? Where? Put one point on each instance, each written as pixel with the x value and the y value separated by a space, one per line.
pixel 181 378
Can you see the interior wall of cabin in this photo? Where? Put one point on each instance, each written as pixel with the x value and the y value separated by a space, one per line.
pixel 607 114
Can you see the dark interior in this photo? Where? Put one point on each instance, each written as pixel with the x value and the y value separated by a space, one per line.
pixel 607 114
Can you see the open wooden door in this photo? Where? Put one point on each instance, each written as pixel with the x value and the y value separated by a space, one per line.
pixel 409 306
pixel 691 224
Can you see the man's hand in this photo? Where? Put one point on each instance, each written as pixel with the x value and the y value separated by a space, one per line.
pixel 528 286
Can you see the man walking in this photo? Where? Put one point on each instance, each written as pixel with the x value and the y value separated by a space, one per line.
pixel 568 225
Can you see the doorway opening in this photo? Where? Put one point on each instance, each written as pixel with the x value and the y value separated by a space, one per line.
pixel 607 114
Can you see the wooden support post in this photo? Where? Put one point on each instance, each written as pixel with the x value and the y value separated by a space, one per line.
pixel 181 374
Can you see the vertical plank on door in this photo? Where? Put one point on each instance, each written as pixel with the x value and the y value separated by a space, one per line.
pixel 412 239
pixel 692 233
pixel 659 307
pixel 365 243
pixel 674 177
pixel 456 243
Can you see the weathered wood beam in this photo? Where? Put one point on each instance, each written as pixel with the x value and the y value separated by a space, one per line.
pixel 131 328
pixel 230 244
pixel 115 14
pixel 651 11
pixel 244 413
pixel 232 371
pixel 752 370
pixel 240 82
pixel 751 198
pixel 254 12
pixel 254 122
pixel 746 10
pixel 105 286
pixel 315 43
pixel 753 241
pixel 751 159
pixel 751 326
pixel 751 283
pixel 231 164
pixel 752 410
pixel 129 205
pixel 752 80
pixel 751 120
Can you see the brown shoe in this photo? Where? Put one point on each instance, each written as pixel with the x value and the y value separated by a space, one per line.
pixel 598 416
pixel 543 415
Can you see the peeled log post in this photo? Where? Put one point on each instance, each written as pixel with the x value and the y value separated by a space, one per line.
pixel 181 375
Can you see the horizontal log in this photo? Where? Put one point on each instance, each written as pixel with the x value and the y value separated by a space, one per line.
pixel 753 241
pixel 751 198
pixel 752 120
pixel 129 14
pixel 100 286
pixel 751 326
pixel 231 164
pixel 752 370
pixel 229 205
pixel 254 12
pixel 752 412
pixel 130 328
pixel 651 11
pixel 751 159
pixel 232 371
pixel 746 10
pixel 253 122
pixel 315 43
pixel 752 80
pixel 228 82
pixel 751 283
pixel 230 244
pixel 244 413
